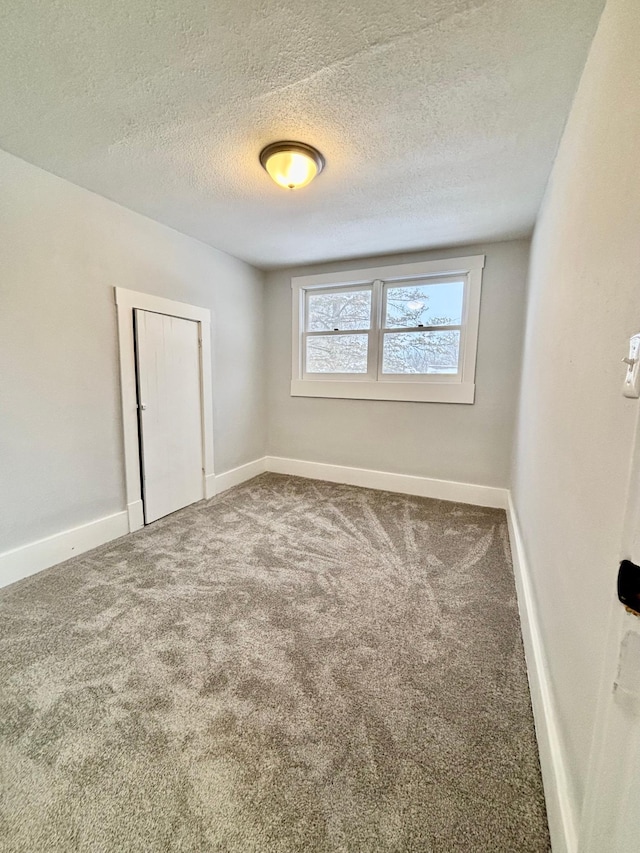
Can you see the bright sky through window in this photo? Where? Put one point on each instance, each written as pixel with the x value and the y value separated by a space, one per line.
pixel 440 303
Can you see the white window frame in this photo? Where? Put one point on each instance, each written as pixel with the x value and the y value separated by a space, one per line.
pixel 374 385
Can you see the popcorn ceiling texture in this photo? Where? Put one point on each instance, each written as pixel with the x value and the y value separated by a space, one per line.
pixel 439 119
pixel 291 667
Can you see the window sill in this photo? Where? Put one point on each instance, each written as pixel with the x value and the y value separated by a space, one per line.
pixel 414 392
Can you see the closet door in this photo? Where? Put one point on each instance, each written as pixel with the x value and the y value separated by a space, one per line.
pixel 170 412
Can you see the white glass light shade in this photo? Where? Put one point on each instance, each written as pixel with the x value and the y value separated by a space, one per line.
pixel 292 164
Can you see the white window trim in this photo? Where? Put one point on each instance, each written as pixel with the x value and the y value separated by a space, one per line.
pixel 436 388
pixel 126 301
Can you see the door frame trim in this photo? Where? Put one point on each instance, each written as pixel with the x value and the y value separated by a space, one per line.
pixel 126 301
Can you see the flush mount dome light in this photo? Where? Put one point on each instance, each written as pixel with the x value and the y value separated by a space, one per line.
pixel 292 164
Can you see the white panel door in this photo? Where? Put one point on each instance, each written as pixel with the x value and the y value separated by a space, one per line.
pixel 170 405
pixel 610 808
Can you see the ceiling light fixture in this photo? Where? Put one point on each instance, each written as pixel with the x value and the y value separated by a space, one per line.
pixel 292 164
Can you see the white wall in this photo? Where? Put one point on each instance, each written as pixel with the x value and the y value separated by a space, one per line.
pixel 575 431
pixel 62 249
pixel 466 443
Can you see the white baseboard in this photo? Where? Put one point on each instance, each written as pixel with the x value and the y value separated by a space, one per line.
pixel 209 486
pixel 36 556
pixel 135 511
pixel 27 560
pixel 562 811
pixel 425 487
pixel 235 476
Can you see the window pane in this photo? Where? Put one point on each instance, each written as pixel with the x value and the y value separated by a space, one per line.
pixel 425 305
pixel 337 354
pixel 341 311
pixel 421 352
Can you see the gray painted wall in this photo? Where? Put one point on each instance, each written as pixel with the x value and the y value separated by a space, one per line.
pixel 467 443
pixel 576 430
pixel 62 250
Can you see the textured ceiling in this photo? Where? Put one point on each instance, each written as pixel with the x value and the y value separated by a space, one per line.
pixel 439 119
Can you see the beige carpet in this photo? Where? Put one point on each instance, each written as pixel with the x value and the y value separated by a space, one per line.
pixel 292 666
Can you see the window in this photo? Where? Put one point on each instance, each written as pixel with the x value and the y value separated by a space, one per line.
pixel 405 332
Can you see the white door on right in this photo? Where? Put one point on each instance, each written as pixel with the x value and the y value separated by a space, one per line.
pixel 612 799
pixel 170 406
